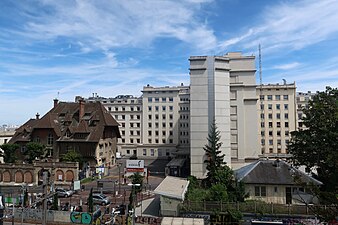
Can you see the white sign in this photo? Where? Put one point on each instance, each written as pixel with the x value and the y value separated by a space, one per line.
pixel 77 185
pixel 135 164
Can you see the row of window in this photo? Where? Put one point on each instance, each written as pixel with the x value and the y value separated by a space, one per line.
pixel 184 133
pixel 278 132
pixel 276 97
pixel 164 141
pixel 260 191
pixel 138 141
pixel 184 141
pixel 163 125
pixel 183 108
pixel 278 124
pixel 150 116
pixel 163 99
pixel 131 125
pixel 171 108
pixel 278 116
pixel 279 150
pixel 286 106
pixel 279 142
pixel 132 132
pixel 157 133
pixel 123 108
pixel 184 99
pixel 184 117
pixel 123 117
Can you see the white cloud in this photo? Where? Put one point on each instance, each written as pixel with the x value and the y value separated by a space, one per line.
pixel 291 26
pixel 287 66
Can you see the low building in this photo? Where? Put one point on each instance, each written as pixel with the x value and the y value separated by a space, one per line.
pixel 87 128
pixel 275 181
pixel 172 192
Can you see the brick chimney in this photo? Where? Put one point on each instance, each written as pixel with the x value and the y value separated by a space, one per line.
pixel 81 109
pixel 56 101
pixel 37 116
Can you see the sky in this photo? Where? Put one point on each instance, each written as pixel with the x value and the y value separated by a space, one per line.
pixel 66 48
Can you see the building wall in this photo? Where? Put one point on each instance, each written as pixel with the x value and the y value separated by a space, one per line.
pixel 277 117
pixel 223 88
pixel 169 206
pixel 302 100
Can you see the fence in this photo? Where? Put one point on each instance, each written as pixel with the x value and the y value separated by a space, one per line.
pixel 253 207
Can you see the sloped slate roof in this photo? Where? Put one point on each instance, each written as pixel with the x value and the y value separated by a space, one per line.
pixel 272 172
pixel 65 116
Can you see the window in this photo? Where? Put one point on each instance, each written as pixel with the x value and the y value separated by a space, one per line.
pixel 286 133
pixel 128 151
pixel 263 142
pixel 170 141
pixel 156 108
pixel 270 124
pixel 278 124
pixel 262 133
pixel 150 99
pixel 117 117
pixel 170 133
pixel 109 108
pixel 149 141
pixel 261 97
pixel 285 97
pixel 131 140
pixel 262 124
pixel 156 133
pixel 269 106
pixel 163 116
pixel 164 99
pixel 278 106
pixel 171 108
pixel 270 142
pixel 163 124
pixel 171 99
pixel 270 115
pixel 149 108
pixel 270 133
pixel 286 124
pixel 123 124
pixel 149 132
pixel 278 115
pixel 279 142
pixel 131 117
pixel 278 132
pixel 50 139
pixel 156 116
pixel 277 97
pixel 260 191
pixel 163 141
pixel 163 108
pixel 149 117
pixel 171 116
pixel 276 189
pixel 149 125
pixel 123 117
pixel 163 133
pixel 286 116
pixel 152 152
pixel 262 115
pixel 286 106
pixel 157 99
pixel 262 106
pixel 156 125
pixel 144 151
pixel 269 97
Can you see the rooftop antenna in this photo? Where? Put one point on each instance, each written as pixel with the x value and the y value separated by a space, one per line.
pixel 58 95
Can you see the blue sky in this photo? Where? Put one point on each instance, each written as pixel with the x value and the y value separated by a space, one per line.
pixel 111 47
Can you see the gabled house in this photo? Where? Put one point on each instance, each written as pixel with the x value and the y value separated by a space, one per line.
pixel 275 181
pixel 87 128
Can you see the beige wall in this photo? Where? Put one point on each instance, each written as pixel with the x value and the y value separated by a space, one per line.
pixel 169 206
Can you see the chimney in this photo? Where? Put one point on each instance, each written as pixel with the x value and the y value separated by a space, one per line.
pixel 81 110
pixel 56 101
pixel 37 116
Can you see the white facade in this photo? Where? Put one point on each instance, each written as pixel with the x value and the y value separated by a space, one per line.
pixel 302 99
pixel 277 117
pixel 223 89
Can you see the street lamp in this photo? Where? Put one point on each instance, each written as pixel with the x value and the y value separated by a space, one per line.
pixel 119 166
pixel 132 191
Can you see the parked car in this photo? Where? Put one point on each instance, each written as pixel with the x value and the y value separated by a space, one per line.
pixel 61 192
pixel 100 199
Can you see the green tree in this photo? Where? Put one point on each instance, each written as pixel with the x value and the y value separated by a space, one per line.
pixel 72 156
pixel 55 202
pixel 90 201
pixel 9 152
pixel 137 178
pixel 218 192
pixel 34 150
pixel 215 159
pixel 316 147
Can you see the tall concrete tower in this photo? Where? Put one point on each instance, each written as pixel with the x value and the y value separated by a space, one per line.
pixel 223 88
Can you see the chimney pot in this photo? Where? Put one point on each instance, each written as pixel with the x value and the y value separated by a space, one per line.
pixel 56 101
pixel 37 116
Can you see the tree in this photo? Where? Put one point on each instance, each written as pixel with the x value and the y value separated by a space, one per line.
pixel 72 156
pixel 90 201
pixel 9 152
pixel 316 147
pixel 55 202
pixel 137 178
pixel 214 159
pixel 34 150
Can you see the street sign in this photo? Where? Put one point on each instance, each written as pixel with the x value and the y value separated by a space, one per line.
pixel 86 218
pixel 135 164
pixel 80 217
pixel 75 217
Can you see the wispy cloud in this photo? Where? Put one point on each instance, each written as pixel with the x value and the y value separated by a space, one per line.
pixel 291 26
pixel 287 66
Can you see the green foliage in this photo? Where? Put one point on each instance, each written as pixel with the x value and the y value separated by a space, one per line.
pixel 137 178
pixel 214 159
pixel 72 156
pixel 90 201
pixel 316 147
pixel 217 192
pixel 197 194
pixel 55 202
pixel 9 152
pixel 34 150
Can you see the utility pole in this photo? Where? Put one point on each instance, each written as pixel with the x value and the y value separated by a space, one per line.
pixel 44 205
